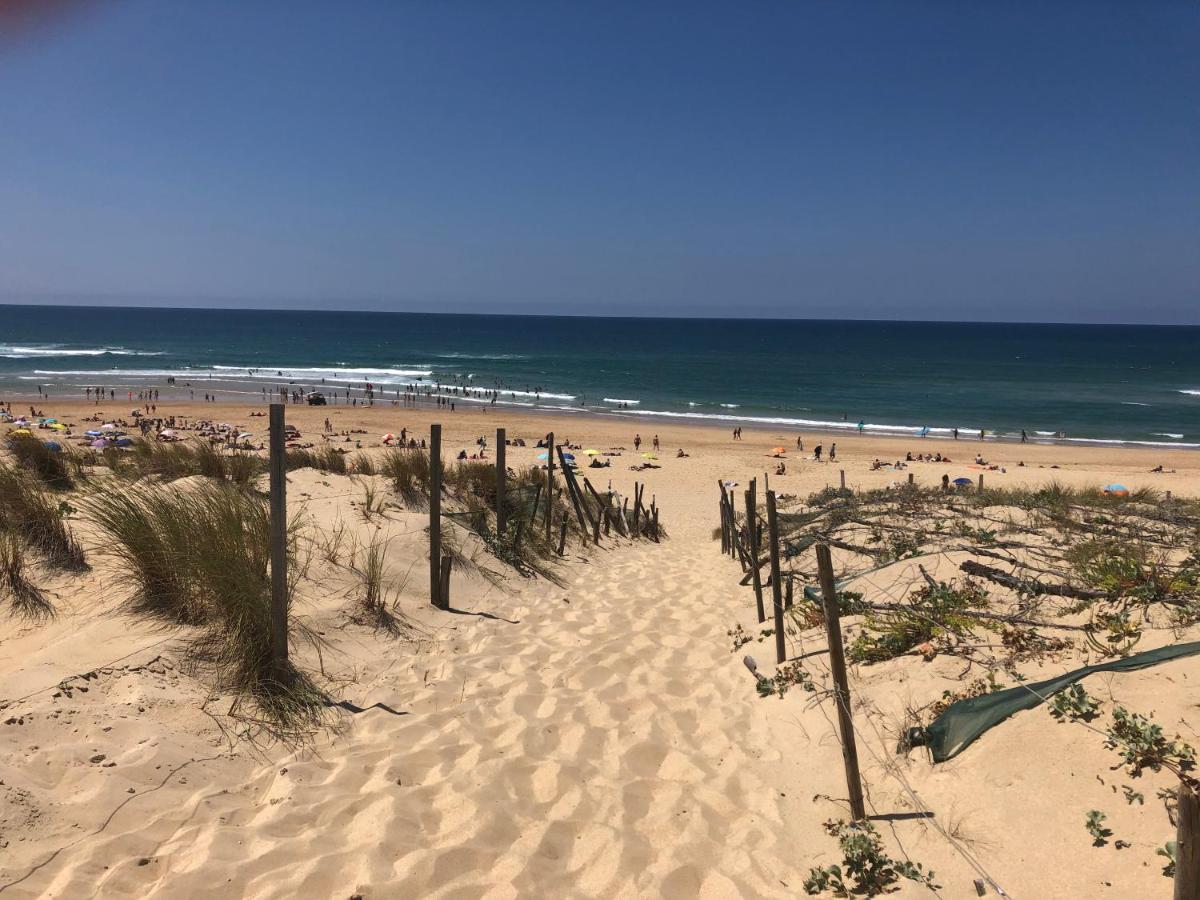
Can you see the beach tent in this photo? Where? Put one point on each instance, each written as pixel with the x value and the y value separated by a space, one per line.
pixel 775 450
pixel 1118 490
pixel 963 482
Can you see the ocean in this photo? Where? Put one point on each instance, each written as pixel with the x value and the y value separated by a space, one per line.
pixel 1094 383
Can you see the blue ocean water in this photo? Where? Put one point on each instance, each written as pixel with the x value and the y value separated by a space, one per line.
pixel 1109 383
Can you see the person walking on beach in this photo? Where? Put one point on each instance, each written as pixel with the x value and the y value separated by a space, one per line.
pixel 800 443
pixel 637 442
pixel 1024 437
pixel 956 434
pixel 981 434
pixel 833 452
pixel 656 443
pixel 817 453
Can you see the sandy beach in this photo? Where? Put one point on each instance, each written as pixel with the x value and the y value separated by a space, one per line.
pixel 593 738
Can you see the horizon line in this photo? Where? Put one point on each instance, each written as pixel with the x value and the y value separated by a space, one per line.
pixel 132 305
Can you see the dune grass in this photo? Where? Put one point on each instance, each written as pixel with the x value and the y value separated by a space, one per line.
pixel 200 558
pixel 180 459
pixel 48 465
pixel 324 458
pixel 26 599
pixel 408 471
pixel 28 510
pixel 376 598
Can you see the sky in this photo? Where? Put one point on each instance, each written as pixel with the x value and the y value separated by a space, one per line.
pixel 910 160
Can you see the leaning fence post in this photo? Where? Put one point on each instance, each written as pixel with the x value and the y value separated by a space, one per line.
pixel 279 578
pixel 776 587
pixel 501 476
pixel 837 663
pixel 435 515
pixel 752 535
pixel 1187 843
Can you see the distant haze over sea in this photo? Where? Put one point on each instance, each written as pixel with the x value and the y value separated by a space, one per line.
pixel 1090 382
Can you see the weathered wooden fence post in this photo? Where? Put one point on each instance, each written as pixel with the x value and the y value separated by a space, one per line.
pixel 837 664
pixel 981 482
pixel 549 484
pixel 1187 843
pixel 776 586
pixel 842 474
pixel 501 478
pixel 435 515
pixel 755 551
pixel 279 577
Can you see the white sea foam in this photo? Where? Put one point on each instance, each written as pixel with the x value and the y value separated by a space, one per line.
pixel 1133 403
pixel 1169 434
pixel 615 400
pixel 13 351
pixel 731 405
pixel 1193 392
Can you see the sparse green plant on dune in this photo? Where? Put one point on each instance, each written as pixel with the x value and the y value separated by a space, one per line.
pixel 1074 704
pixel 866 869
pixel 199 558
pixel 376 598
pixel 1094 823
pixel 936 612
pixel 180 459
pixel 362 463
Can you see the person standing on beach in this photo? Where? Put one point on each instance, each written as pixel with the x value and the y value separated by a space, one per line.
pixel 1024 437
pixel 656 443
pixel 981 434
pixel 817 453
pixel 637 442
pixel 800 442
pixel 956 434
pixel 833 451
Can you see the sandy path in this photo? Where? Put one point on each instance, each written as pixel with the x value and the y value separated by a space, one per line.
pixel 575 753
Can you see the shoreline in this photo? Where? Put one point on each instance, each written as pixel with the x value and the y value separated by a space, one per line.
pixel 659 417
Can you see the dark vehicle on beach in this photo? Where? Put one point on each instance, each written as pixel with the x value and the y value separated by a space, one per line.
pixel 316 399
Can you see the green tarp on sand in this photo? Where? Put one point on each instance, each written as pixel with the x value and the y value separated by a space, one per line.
pixel 955 729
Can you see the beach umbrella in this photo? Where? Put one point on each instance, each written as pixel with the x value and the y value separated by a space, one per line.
pixel 166 432
pixel 649 456
pixel 779 449
pixel 543 456
pixel 592 452
pixel 108 426
pixel 1119 489
pixel 570 456
pixel 99 443
pixel 49 421
pixel 21 431
pixel 55 446
pixel 58 426
pixel 124 442
pixel 92 433
pixel 388 438
pixel 963 482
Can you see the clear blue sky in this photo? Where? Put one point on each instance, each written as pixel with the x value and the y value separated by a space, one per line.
pixel 998 161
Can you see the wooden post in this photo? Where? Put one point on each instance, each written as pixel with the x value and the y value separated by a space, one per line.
pixel 444 582
pixel 842 473
pixel 637 508
pixel 1187 839
pixel 435 515
pixel 837 663
pixel 910 477
pixel 569 478
pixel 787 599
pixel 776 587
pixel 279 578
pixel 981 482
pixel 562 538
pixel 501 478
pixel 752 533
pixel 549 483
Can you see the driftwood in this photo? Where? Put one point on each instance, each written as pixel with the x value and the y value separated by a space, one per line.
pixel 1021 585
